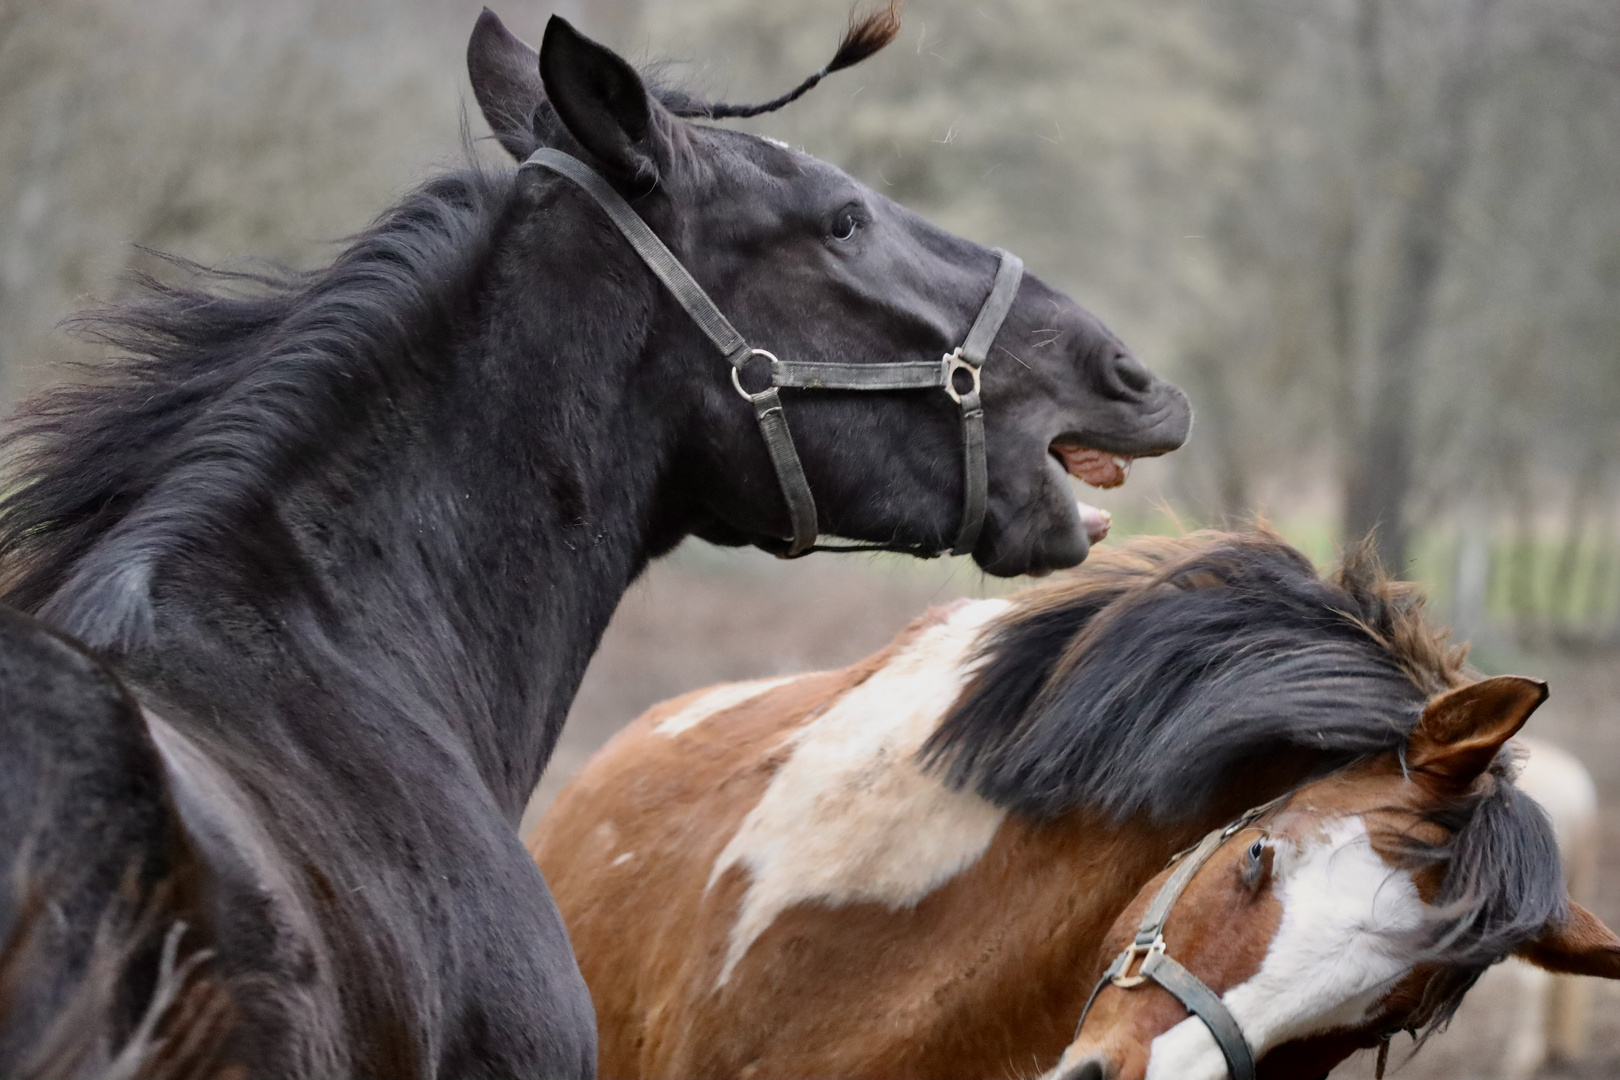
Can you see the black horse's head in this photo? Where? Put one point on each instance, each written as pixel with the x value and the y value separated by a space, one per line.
pixel 815 266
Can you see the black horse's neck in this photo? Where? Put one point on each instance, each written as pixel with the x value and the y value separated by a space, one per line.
pixel 504 533
pixel 392 504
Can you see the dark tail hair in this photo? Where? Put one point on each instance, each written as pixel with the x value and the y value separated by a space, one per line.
pixel 864 37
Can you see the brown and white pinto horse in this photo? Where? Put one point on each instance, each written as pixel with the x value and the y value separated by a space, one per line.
pixel 918 866
pixel 1364 905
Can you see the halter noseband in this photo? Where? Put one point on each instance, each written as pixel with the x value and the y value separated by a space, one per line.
pixel 967 359
pixel 1147 952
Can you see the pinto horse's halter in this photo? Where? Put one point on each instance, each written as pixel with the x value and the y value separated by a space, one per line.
pixel 957 373
pixel 1147 953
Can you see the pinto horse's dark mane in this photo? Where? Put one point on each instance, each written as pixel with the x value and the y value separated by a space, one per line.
pixel 221 386
pixel 1142 681
pixel 1139 682
pixel 1503 885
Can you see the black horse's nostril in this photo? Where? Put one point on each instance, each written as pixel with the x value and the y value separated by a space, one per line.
pixel 1094 1067
pixel 1132 373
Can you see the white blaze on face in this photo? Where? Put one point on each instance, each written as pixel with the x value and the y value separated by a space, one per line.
pixel 849 816
pixel 1335 955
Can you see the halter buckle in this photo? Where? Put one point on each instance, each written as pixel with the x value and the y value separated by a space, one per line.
pixel 736 374
pixel 1141 955
pixel 954 362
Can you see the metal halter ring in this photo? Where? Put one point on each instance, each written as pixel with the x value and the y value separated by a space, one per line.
pixel 1143 955
pixel 953 363
pixel 736 373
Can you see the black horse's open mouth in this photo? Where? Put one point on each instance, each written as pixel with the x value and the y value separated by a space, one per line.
pixel 1098 468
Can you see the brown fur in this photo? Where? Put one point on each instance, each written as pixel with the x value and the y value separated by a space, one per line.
pixel 1221 927
pixel 984 976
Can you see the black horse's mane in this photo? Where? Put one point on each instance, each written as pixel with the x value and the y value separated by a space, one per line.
pixel 220 384
pixel 1143 681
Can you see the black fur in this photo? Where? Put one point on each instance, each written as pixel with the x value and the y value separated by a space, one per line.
pixel 349 538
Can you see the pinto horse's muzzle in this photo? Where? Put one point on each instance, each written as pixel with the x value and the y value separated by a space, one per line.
pixel 957 373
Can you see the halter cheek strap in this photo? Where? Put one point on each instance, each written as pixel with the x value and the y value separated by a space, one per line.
pixel 957 373
pixel 1146 953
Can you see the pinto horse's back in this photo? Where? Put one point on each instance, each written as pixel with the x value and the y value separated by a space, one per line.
pixel 86 844
pixel 641 850
pixel 627 842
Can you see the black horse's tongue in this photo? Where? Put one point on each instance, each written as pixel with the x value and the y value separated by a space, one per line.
pixel 1100 470
pixel 1095 467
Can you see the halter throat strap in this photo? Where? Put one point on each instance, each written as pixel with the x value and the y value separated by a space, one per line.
pixel 943 374
pixel 1147 954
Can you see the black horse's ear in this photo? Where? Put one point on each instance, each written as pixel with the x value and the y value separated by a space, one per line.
pixel 505 72
pixel 603 104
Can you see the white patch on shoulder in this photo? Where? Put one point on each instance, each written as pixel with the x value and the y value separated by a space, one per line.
pixel 849 816
pixel 1333 957
pixel 776 142
pixel 716 701
pixel 622 859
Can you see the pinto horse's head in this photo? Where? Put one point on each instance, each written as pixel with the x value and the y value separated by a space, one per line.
pixel 814 266
pixel 1365 904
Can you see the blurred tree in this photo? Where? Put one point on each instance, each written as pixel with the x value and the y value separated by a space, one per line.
pixel 1376 239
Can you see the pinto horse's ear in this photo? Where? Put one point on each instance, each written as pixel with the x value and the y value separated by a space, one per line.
pixel 603 104
pixel 1581 945
pixel 505 73
pixel 1461 730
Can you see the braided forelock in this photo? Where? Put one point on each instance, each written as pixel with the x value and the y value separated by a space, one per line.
pixel 865 36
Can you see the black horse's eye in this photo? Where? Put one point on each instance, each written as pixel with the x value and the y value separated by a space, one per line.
pixel 1257 849
pixel 845 224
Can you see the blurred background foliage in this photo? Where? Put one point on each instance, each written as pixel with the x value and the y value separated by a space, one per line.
pixel 1378 242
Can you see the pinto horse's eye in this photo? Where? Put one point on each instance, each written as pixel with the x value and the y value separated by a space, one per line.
pixel 1256 865
pixel 845 224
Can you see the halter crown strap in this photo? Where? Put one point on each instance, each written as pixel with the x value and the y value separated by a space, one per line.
pixel 659 259
pixel 767 404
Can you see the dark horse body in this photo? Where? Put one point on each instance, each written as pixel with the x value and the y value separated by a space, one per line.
pixel 346 541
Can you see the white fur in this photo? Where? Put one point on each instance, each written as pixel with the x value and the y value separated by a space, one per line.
pixel 716 701
pixel 1333 957
pixel 849 816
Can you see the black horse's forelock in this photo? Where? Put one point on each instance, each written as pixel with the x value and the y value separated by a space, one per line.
pixel 222 382
pixel 1145 680
pixel 865 37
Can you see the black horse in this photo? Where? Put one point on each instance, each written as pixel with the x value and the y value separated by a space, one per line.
pixel 342 543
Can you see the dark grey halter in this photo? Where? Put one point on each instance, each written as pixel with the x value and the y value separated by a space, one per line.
pixel 1147 953
pixel 900 375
